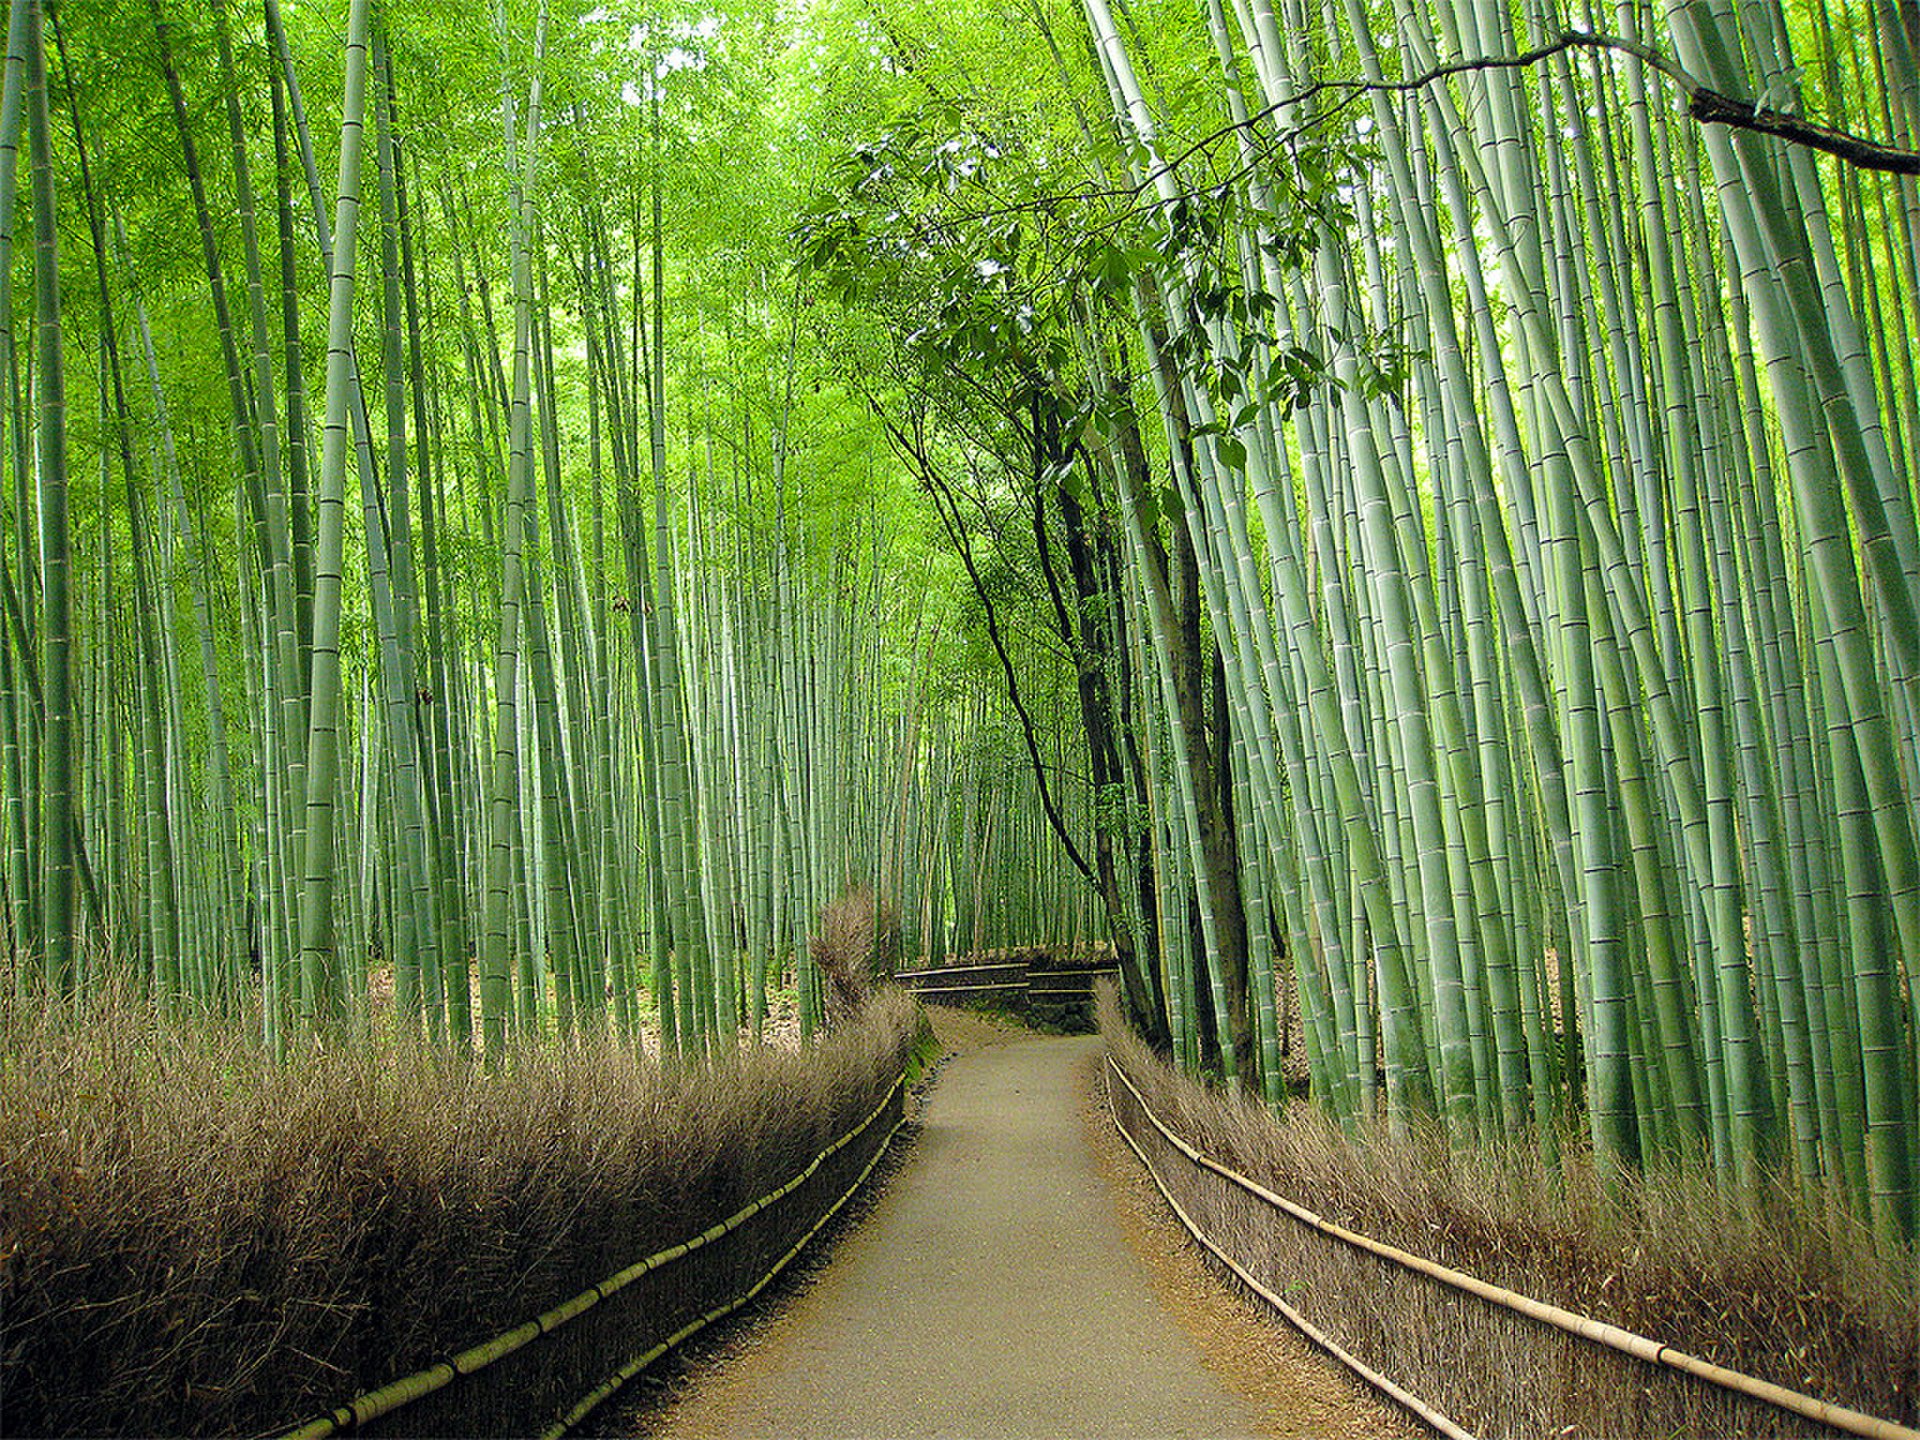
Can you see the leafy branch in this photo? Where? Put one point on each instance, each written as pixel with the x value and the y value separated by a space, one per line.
pixel 1704 104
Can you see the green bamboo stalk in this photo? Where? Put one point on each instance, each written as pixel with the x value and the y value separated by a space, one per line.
pixel 321 998
pixel 503 828
pixel 57 911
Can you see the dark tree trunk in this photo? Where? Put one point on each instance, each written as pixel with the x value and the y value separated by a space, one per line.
pixel 1086 632
pixel 1194 656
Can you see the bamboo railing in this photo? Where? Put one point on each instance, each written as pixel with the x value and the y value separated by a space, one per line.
pixel 1596 1332
pixel 1020 978
pixel 727 1261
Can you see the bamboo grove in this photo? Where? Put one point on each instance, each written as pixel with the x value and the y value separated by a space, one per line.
pixel 1576 663
pixel 422 647
pixel 1401 514
pixel 1539 463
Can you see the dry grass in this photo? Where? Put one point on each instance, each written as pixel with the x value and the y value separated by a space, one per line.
pixel 1777 1289
pixel 857 942
pixel 196 1241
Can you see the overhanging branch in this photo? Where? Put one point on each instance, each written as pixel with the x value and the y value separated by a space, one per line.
pixel 1704 103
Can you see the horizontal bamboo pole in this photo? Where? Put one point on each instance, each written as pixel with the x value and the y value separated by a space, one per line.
pixel 1598 1332
pixel 372 1404
pixel 912 977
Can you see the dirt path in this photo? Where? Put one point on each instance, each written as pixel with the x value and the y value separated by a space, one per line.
pixel 998 1289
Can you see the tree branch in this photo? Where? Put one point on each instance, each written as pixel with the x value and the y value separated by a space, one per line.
pixel 949 512
pixel 1705 104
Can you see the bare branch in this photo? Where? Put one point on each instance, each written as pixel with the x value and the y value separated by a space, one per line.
pixel 1705 104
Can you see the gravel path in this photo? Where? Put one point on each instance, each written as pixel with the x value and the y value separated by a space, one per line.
pixel 998 1288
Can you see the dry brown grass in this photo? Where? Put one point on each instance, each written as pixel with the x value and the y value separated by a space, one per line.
pixel 194 1240
pixel 1778 1289
pixel 856 944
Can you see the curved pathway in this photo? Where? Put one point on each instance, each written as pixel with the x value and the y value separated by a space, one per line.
pixel 992 1291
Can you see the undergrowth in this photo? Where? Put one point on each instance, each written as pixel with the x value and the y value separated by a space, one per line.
pixel 857 943
pixel 195 1240
pixel 1780 1287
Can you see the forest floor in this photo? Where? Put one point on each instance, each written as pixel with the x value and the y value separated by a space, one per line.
pixel 1018 1276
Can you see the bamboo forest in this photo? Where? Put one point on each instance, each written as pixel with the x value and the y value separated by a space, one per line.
pixel 1391 525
